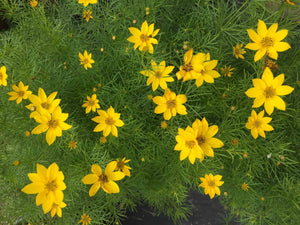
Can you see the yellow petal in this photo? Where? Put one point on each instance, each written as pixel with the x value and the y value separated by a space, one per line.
pixel 111 187
pixel 281 46
pixel 269 107
pixel 278 103
pixel 254 133
pixel 33 188
pixel 272 53
pixel 261 28
pixel 90 179
pixel 280 35
pixel 93 190
pixel 253 36
pixel 259 54
pixel 96 169
pixel 252 46
pixel 284 90
pixel 116 176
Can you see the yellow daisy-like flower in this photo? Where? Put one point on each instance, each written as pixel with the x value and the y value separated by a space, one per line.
pixel 204 137
pixel 43 103
pixel 33 3
pixel 56 208
pixel 122 167
pixel 91 104
pixel 291 3
pixel 20 92
pixel 87 2
pixel 52 123
pixel 143 38
pixel 27 133
pixel 188 145
pixel 267 40
pixel 85 219
pixel 238 51
pixel 159 75
pixel 244 187
pixel 170 104
pixel 86 59
pixel 16 163
pixel 259 124
pixel 163 124
pixel 103 140
pixel 108 122
pixel 104 180
pixel 72 144
pixel 87 15
pixel 211 184
pixel 48 184
pixel 227 71
pixel 267 91
pixel 3 76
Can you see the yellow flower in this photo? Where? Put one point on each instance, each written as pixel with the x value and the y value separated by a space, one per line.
pixel 52 123
pixel 27 133
pixel 159 75
pixel 85 219
pixel 33 3
pixel 149 97
pixel 72 144
pixel 259 124
pixel 86 59
pixel 87 15
pixel 48 184
pixel 291 3
pixel 91 104
pixel 20 92
pixel 244 187
pixel 227 71
pixel 108 122
pixel 56 208
pixel 43 103
pixel 239 51
pixel 163 124
pixel 122 167
pixel 267 40
pixel 211 184
pixel 170 104
pixel 3 76
pixel 87 2
pixel 143 38
pixel 267 91
pixel 106 179
pixel 103 140
pixel 204 136
pixel 188 145
pixel 17 162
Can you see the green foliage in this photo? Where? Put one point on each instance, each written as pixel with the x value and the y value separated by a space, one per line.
pixel 41 50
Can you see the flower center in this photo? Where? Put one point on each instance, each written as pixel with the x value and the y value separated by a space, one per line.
pixel 91 102
pixel 103 178
pixel 110 121
pixel 51 186
pixel 187 67
pixel 120 164
pixel 21 93
pixel 52 123
pixel 270 92
pixel 171 104
pixel 85 219
pixel 267 42
pixel 200 140
pixel 45 105
pixel 257 123
pixel 158 74
pixel 211 183
pixel 237 51
pixel 1 76
pixel 144 37
pixel 86 61
pixel 190 144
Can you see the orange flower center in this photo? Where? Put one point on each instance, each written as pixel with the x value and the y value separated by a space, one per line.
pixel 52 123
pixel 200 140
pixel 158 74
pixel 211 183
pixel 109 121
pixel 144 37
pixel 85 61
pixel 257 123
pixel 237 51
pixel 270 92
pixel 51 186
pixel 45 105
pixel 21 93
pixel 120 164
pixel 1 77
pixel 187 67
pixel 103 178
pixel 267 42
pixel 190 144
pixel 91 102
pixel 171 104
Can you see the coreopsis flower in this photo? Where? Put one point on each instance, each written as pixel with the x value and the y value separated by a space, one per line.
pixel 91 104
pixel 108 122
pixel 163 124
pixel 238 51
pixel 211 184
pixel 259 124
pixel 143 38
pixel 87 15
pixel 72 144
pixel 16 163
pixel 56 208
pixel 85 219
pixel 103 140
pixel 122 167
pixel 244 186
pixel 267 40
pixel 53 123
pixel 33 3
pixel 104 180
pixel 227 71
pixel 20 92
pixel 267 91
pixel 86 59
pixel 291 3
pixel 3 76
pixel 27 133
pixel 170 104
pixel 87 2
pixel 48 184
pixel 204 136
pixel 159 75
pixel 188 145
pixel 43 103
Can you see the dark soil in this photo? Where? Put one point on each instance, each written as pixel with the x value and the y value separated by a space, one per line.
pixel 205 211
pixel 3 24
